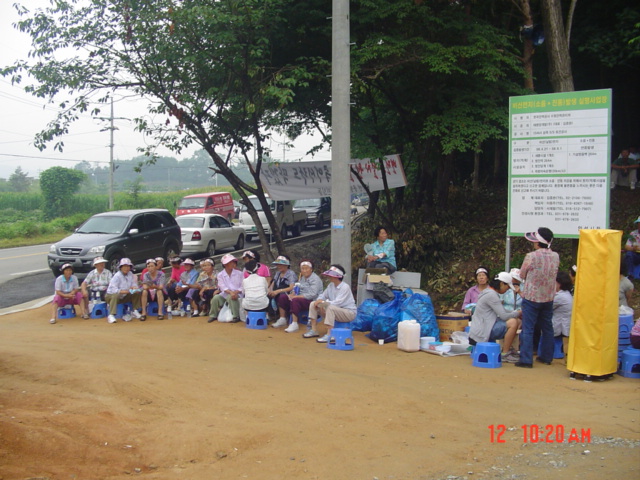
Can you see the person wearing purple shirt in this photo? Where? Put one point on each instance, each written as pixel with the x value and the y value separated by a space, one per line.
pixel 230 286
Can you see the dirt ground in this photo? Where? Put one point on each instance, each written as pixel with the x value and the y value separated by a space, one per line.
pixel 183 399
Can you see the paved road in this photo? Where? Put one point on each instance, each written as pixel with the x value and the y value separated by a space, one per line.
pixel 25 276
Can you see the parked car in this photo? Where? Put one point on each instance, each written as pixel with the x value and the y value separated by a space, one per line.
pixel 318 210
pixel 288 218
pixel 136 234
pixel 207 233
pixel 213 202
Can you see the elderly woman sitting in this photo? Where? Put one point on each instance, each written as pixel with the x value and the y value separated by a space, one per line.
pixel 336 303
pixel 382 252
pixel 67 292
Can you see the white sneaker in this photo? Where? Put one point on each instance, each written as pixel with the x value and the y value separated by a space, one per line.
pixel 136 314
pixel 292 328
pixel 52 321
pixel 127 318
pixel 195 313
pixel 310 334
pixel 282 322
pixel 323 339
pixel 111 319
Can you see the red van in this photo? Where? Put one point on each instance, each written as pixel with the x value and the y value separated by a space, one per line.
pixel 214 202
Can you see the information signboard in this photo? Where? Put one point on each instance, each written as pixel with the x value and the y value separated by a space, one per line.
pixel 559 162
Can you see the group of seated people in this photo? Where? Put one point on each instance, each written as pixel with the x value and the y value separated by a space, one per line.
pixel 205 292
pixel 624 169
pixel 495 307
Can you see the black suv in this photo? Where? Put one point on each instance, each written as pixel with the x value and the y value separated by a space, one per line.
pixel 136 234
pixel 318 210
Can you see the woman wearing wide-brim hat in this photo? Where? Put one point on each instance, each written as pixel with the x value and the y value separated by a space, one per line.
pixel 123 288
pixel 67 292
pixel 96 282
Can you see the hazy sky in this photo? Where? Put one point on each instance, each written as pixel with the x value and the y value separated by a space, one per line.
pixel 22 116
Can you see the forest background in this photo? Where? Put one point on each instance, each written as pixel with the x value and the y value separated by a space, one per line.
pixel 430 81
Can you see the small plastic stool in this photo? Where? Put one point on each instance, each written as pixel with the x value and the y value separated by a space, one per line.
pixel 152 309
pixel 630 364
pixel 487 355
pixel 303 317
pixel 625 326
pixel 66 312
pixel 342 337
pixel 124 308
pixel 257 320
pixel 99 310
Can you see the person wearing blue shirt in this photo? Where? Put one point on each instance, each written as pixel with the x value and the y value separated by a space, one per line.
pixel 382 252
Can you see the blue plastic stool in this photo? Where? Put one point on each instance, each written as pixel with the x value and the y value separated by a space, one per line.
pixel 557 347
pixel 66 312
pixel 124 308
pixel 152 309
pixel 302 318
pixel 487 355
pixel 630 364
pixel 625 326
pixel 342 337
pixel 257 320
pixel 99 310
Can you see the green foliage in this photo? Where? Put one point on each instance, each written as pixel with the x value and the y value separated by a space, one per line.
pixel 19 181
pixel 25 202
pixel 58 186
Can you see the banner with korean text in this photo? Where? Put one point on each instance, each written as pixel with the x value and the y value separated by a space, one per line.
pixel 298 180
pixel 559 162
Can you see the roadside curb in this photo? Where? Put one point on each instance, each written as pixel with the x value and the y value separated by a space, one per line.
pixel 33 304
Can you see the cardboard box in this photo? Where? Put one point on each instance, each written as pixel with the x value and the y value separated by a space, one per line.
pixel 373 279
pixel 451 322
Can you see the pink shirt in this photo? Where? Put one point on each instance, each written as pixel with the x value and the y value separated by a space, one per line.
pixel 539 271
pixel 263 271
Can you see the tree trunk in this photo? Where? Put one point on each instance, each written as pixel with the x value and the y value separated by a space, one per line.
pixel 557 47
pixel 475 182
pixel 527 49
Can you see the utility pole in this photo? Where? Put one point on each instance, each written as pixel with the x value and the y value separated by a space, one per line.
pixel 341 137
pixel 111 128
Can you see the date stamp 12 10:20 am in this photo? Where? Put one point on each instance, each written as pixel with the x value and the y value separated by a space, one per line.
pixel 543 434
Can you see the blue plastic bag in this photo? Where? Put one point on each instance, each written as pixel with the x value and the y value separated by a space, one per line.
pixel 420 307
pixel 366 314
pixel 385 323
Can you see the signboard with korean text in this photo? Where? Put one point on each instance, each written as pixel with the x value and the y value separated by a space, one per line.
pixel 299 180
pixel 559 149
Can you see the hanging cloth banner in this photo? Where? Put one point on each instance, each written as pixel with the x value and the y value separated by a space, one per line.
pixel 298 180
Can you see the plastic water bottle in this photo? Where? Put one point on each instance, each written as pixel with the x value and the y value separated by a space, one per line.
pixel 169 313
pixel 296 289
pixel 189 310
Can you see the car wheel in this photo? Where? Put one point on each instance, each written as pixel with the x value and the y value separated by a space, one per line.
pixel 211 249
pixel 248 238
pixel 297 229
pixel 114 262
pixel 170 252
pixel 55 272
pixel 240 243
pixel 320 222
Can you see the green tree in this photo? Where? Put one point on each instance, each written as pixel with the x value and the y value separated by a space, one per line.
pixel 432 83
pixel 220 73
pixel 58 185
pixel 19 181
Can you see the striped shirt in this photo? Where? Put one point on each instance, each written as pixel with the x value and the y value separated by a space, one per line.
pixel 539 269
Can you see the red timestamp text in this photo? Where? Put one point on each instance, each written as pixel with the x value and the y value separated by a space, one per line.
pixel 542 434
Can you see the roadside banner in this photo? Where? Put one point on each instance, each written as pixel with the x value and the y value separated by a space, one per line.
pixel 299 180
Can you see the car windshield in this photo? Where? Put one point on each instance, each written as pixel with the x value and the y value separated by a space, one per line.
pixel 196 202
pixel 104 224
pixel 190 222
pixel 256 204
pixel 307 203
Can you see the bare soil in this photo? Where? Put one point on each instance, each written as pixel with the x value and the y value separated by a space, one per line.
pixel 183 399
